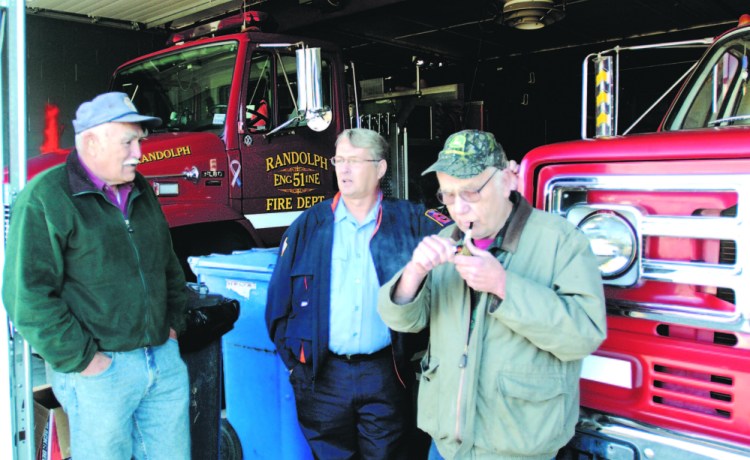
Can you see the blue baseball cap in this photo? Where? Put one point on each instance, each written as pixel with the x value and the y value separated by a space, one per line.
pixel 110 107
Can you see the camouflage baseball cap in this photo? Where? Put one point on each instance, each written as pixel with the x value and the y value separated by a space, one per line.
pixel 468 153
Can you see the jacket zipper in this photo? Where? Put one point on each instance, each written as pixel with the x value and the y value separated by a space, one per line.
pixel 395 367
pixel 461 378
pixel 135 193
pixel 130 231
pixel 462 363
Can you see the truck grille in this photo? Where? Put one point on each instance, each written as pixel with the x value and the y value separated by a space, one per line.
pixel 688 268
pixel 727 255
pixel 679 320
pixel 6 222
pixel 698 392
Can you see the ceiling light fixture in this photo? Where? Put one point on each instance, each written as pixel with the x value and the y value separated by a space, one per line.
pixel 531 14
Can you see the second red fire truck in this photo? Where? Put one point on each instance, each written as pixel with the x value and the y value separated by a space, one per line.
pixel 667 214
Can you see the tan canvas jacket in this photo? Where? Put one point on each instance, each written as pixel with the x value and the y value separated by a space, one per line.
pixel 511 390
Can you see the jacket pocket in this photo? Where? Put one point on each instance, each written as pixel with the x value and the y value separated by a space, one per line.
pixel 429 397
pixel 300 376
pixel 299 327
pixel 529 414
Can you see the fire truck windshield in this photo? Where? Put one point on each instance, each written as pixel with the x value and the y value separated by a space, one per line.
pixel 717 95
pixel 187 89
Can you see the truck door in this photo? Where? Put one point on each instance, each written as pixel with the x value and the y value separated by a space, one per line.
pixel 280 174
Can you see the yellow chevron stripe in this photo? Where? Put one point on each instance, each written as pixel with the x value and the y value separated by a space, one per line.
pixel 602 76
pixel 601 119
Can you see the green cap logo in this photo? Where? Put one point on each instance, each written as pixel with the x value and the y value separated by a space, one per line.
pixel 468 153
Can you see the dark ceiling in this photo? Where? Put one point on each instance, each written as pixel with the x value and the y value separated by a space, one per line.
pixel 526 82
pixel 385 34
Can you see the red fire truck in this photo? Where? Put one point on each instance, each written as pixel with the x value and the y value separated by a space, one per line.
pixel 666 213
pixel 249 125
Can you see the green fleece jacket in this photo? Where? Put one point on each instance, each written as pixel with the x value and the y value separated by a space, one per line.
pixel 508 390
pixel 79 277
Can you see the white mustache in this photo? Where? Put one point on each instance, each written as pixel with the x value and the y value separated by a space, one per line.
pixel 130 162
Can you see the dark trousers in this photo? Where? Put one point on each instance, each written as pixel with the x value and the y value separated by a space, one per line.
pixel 355 410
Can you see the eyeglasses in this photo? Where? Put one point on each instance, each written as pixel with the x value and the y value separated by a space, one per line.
pixel 470 196
pixel 354 161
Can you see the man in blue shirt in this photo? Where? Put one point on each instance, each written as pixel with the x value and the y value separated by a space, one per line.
pixel 349 372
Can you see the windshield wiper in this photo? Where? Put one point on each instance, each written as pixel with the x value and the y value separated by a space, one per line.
pixel 729 119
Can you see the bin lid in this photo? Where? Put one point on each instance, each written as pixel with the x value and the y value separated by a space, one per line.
pixel 253 260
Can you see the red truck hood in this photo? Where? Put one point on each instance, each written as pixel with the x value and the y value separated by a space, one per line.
pixel 716 143
pixel 697 144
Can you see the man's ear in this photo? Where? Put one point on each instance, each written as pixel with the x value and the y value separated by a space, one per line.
pixel 90 143
pixel 382 168
pixel 510 181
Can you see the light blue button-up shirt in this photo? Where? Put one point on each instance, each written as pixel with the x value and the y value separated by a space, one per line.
pixel 355 326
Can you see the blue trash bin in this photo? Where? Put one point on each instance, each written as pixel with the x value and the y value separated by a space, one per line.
pixel 259 399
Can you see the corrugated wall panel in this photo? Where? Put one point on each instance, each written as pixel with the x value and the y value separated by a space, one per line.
pixel 145 11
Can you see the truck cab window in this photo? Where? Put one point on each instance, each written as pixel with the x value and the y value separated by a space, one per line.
pixel 259 98
pixel 188 89
pixel 272 90
pixel 287 93
pixel 718 94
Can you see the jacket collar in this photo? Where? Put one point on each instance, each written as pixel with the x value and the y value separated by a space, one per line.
pixel 517 221
pixel 378 217
pixel 79 180
pixel 77 176
pixel 511 232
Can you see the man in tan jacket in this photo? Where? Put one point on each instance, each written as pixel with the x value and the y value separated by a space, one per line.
pixel 514 302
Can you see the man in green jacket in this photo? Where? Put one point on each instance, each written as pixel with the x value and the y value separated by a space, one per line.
pixel 92 283
pixel 514 302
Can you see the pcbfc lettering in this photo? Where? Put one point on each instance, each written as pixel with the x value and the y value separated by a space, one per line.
pixel 279 204
pixel 166 154
pixel 181 151
pixel 281 179
pixel 302 179
pixel 304 202
pixel 296 158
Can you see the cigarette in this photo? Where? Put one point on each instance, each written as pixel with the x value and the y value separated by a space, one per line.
pixel 464 251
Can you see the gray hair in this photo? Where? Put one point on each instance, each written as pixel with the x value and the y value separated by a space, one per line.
pixel 79 141
pixel 366 139
pixel 99 130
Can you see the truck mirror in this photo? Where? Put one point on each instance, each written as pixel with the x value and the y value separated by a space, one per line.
pixel 310 91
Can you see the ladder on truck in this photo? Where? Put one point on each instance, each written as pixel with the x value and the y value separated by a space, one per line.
pixel 16 408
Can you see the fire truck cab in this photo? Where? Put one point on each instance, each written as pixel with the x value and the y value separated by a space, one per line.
pixel 249 124
pixel 667 215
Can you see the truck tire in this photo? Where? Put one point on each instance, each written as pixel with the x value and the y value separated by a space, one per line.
pixel 230 447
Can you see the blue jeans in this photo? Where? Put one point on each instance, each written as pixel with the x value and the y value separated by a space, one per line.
pixel 136 408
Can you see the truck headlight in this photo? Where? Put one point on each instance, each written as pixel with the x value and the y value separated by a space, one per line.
pixel 613 241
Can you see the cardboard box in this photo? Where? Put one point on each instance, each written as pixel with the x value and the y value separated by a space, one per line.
pixel 51 430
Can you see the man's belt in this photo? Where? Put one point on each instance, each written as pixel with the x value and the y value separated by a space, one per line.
pixel 363 356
